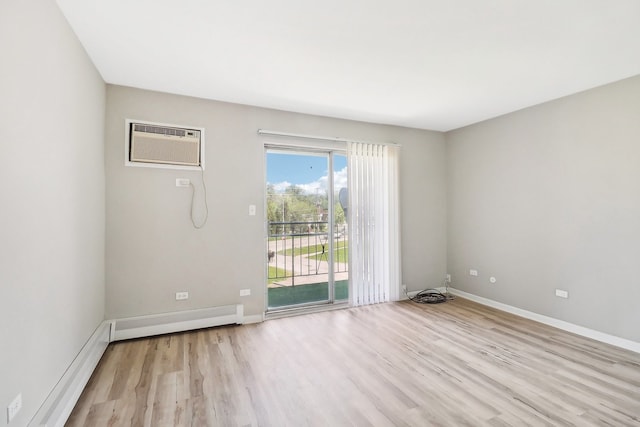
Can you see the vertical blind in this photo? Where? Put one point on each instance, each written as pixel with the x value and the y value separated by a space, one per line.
pixel 374 230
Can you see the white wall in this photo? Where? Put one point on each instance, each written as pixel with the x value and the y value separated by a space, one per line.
pixel 549 197
pixel 152 248
pixel 51 201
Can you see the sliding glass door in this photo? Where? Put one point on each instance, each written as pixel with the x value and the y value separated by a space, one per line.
pixel 307 233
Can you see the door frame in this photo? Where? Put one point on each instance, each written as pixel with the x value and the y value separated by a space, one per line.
pixel 302 149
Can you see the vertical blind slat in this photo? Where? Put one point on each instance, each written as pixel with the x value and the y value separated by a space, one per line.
pixel 374 241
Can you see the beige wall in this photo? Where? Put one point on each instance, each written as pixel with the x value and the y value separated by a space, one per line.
pixel 152 248
pixel 549 198
pixel 51 201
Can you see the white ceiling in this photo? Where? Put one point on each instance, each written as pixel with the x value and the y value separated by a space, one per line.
pixel 420 63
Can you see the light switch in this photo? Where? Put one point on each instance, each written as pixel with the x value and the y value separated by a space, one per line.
pixel 252 210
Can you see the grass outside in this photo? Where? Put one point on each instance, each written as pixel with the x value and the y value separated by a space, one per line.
pixel 314 292
pixel 276 273
pixel 312 249
pixel 341 255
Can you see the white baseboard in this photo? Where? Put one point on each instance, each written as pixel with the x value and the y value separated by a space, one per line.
pixel 256 318
pixel 179 321
pixel 57 407
pixel 560 324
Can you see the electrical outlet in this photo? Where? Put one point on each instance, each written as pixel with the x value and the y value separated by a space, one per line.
pixel 562 294
pixel 182 182
pixel 404 288
pixel 473 272
pixel 14 407
pixel 245 292
pixel 182 295
pixel 448 278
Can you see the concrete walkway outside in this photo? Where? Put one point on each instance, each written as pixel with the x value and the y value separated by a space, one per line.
pixel 302 267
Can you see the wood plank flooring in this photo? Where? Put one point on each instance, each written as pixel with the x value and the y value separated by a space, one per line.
pixel 396 364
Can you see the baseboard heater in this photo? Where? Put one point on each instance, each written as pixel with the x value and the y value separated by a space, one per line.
pixel 56 409
pixel 166 323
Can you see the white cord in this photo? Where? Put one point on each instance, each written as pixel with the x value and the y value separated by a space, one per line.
pixel 206 207
pixel 446 290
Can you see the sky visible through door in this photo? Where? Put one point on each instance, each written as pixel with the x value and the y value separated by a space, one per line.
pixel 306 172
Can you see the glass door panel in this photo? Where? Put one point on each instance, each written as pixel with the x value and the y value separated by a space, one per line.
pixel 340 228
pixel 306 229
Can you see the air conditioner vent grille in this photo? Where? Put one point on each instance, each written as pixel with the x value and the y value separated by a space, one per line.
pixel 161 130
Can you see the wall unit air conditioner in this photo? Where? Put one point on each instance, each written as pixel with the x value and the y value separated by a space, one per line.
pixel 153 144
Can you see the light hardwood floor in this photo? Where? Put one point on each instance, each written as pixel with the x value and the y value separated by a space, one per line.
pixel 396 364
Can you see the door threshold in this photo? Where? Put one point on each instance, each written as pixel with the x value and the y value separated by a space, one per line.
pixel 288 312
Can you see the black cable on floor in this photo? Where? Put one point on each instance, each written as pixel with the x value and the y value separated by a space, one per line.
pixel 428 296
